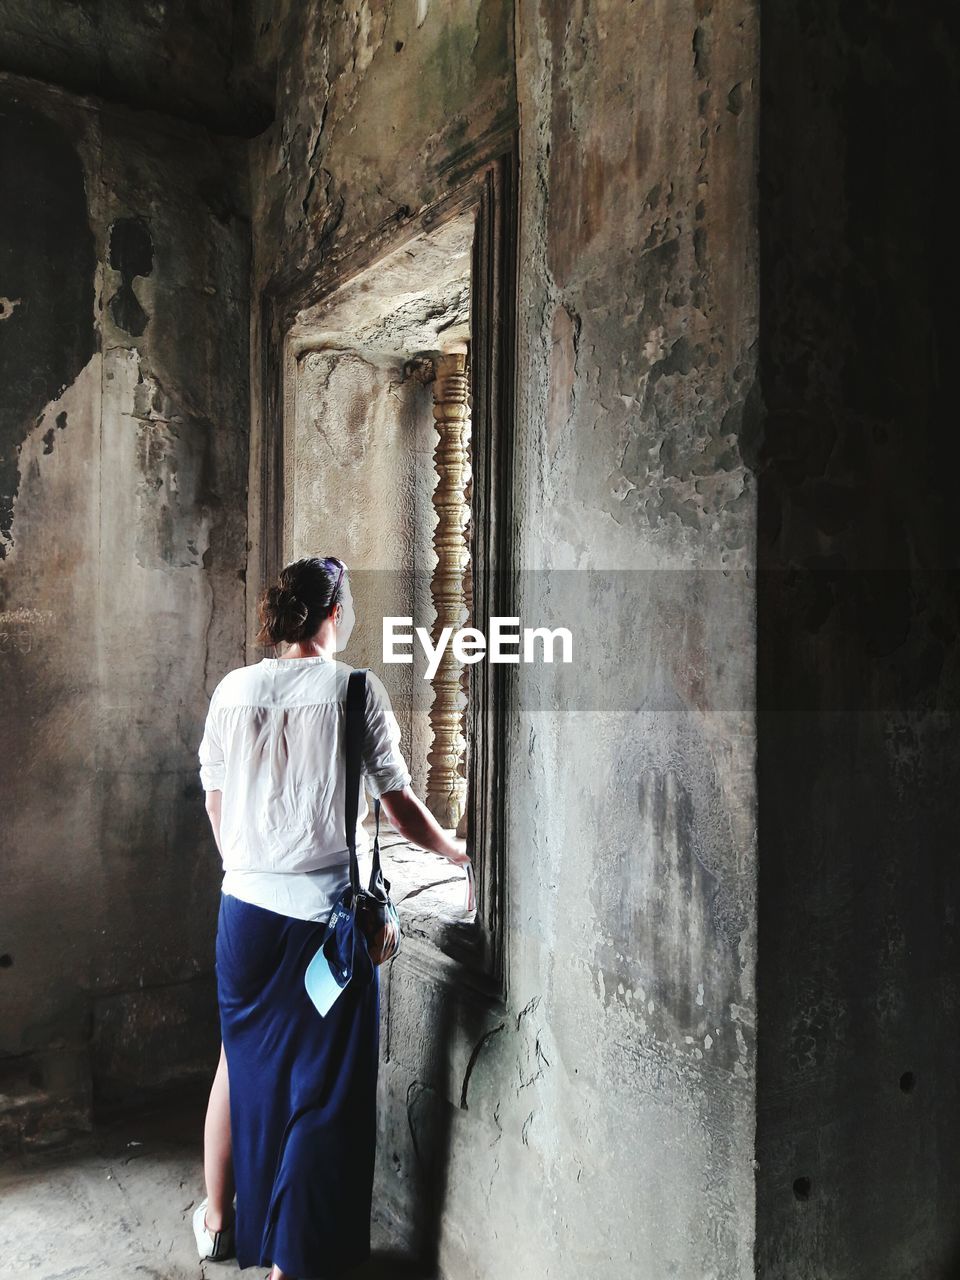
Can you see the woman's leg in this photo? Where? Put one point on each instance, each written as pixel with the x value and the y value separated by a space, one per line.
pixel 217 1152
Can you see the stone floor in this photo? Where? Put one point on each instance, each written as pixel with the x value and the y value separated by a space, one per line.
pixel 117 1204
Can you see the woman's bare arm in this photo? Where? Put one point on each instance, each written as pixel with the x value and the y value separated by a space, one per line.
pixel 416 823
pixel 213 800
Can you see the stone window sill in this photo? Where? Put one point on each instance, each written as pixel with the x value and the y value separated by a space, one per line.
pixel 430 892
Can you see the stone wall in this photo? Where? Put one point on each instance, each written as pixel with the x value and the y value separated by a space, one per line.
pixel 618 1085
pixel 208 61
pixel 124 352
pixel 632 854
pixel 859 1163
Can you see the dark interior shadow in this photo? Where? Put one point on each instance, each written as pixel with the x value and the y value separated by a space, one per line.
pixel 47 332
pixel 385 1264
pixel 858 1136
pixel 951 1270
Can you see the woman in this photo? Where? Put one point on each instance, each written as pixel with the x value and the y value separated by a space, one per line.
pixel 292 1115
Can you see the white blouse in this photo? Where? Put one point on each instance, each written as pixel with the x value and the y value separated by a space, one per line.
pixel 273 744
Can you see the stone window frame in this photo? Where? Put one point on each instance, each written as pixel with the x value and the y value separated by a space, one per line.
pixel 486 181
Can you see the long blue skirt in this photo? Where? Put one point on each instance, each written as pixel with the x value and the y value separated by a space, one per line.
pixel 303 1092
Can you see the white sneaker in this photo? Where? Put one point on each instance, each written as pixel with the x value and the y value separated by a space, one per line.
pixel 214 1246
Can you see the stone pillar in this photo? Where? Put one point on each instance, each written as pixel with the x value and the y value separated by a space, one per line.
pixel 446 784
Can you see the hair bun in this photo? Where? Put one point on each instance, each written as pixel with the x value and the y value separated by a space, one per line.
pixel 289 604
pixel 295 604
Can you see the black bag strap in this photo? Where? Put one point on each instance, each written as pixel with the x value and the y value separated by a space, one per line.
pixel 355 721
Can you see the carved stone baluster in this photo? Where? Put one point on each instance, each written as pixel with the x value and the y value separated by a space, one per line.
pixel 468 613
pixel 446 786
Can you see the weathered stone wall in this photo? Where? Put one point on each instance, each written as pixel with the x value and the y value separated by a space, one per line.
pixel 374 102
pixel 859 1159
pixel 124 352
pixel 605 1126
pixel 620 1090
pixel 632 849
pixel 205 60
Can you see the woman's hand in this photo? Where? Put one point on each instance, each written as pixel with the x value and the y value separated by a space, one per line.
pixel 458 851
pixel 460 858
